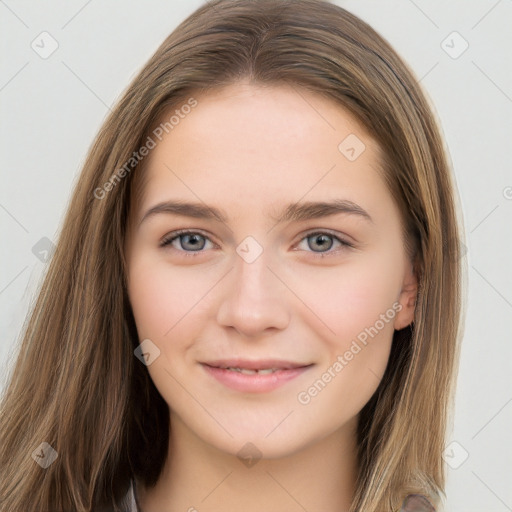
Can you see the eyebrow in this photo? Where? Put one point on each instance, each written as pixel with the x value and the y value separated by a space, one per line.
pixel 294 212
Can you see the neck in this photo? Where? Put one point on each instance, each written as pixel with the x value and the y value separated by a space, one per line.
pixel 198 476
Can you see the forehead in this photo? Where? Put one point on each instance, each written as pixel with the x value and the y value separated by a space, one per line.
pixel 255 141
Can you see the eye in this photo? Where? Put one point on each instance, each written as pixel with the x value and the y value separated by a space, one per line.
pixel 186 241
pixel 321 242
pixel 192 243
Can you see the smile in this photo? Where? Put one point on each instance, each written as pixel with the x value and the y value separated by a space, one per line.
pixel 254 376
pixel 246 371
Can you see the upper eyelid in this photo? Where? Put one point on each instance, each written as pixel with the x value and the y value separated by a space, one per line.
pixel 341 238
pixel 175 234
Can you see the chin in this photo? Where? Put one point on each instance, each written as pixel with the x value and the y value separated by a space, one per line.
pixel 260 441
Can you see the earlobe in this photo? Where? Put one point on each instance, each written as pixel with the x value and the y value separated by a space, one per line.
pixel 407 300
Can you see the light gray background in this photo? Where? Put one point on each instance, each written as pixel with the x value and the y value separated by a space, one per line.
pixel 53 107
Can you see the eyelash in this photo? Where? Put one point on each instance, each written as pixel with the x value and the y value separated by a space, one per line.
pixel 168 239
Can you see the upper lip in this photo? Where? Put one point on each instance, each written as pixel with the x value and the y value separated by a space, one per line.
pixel 260 364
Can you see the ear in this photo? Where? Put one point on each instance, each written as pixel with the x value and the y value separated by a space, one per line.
pixel 407 298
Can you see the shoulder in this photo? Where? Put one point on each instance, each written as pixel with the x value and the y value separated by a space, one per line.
pixel 412 503
pixel 416 503
pixel 129 503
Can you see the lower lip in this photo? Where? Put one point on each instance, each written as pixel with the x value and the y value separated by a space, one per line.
pixel 257 383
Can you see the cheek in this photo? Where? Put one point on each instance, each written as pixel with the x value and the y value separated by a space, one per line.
pixel 168 305
pixel 354 358
pixel 351 298
pixel 165 302
pixel 358 303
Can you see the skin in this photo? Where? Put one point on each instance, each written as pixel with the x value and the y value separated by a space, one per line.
pixel 251 150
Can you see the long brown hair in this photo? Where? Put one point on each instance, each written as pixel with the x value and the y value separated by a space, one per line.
pixel 76 384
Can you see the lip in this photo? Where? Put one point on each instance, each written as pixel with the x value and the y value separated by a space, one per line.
pixel 259 364
pixel 256 383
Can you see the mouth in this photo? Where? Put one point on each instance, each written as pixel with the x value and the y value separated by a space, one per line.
pixel 263 365
pixel 254 376
pixel 247 371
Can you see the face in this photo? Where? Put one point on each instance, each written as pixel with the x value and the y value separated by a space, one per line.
pixel 270 320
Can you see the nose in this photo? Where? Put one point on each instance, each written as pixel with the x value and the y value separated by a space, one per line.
pixel 254 299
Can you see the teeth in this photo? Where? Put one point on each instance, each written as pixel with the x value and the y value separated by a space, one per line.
pixel 266 371
pixel 245 371
pixel 248 372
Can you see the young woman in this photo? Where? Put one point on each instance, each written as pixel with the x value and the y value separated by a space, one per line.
pixel 255 298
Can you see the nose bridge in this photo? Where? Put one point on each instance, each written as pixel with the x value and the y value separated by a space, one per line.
pixel 254 300
pixel 252 277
